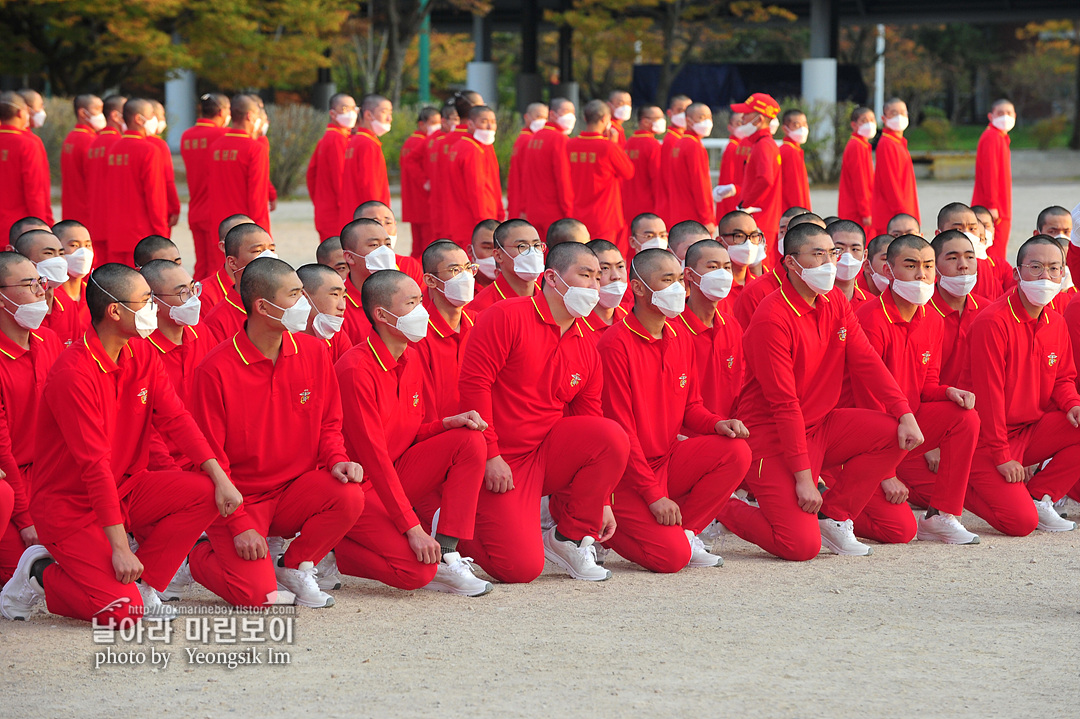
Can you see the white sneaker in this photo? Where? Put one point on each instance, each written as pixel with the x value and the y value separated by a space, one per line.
pixel 301 582
pixel 714 531
pixel 275 547
pixel 945 528
pixel 1049 519
pixel 840 538
pixel 152 606
pixel 546 520
pixel 280 598
pixel 699 556
pixel 180 583
pixel 602 554
pixel 22 592
pixel 454 575
pixel 579 561
pixel 329 577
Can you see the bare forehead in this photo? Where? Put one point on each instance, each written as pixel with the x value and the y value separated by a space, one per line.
pixel 712 254
pixel 738 222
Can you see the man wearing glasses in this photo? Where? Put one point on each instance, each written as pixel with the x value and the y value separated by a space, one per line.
pixel 1022 371
pixel 647 232
pixel 519 255
pixel 27 352
pixel 799 346
pixel 745 245
pixel 848 237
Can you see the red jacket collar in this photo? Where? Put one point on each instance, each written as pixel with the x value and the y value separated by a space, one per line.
pixel 164 345
pixel 634 325
pixel 9 349
pixel 250 354
pixel 104 362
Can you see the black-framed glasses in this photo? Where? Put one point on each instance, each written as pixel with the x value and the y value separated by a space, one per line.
pixel 192 290
pixel 42 282
pixel 756 238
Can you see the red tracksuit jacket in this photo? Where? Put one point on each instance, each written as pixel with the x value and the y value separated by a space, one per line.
pixel 515 187
pixel 641 193
pixel 732 166
pixel 762 187
pixel 195 150
pixel 440 353
pixel 993 180
pixel 179 362
pixel 549 187
pixel 69 317
pixel 96 164
pixel 796 184
pixel 414 198
pixel 691 197
pixel 172 198
pixel 136 203
pixel 324 177
pixel 753 293
pixel 474 186
pixel 668 179
pixel 719 359
pixel 857 183
pixel 74 187
pixel 363 176
pixel 894 180
pixel 597 168
pixel 24 179
pixel 239 181
pixel 955 352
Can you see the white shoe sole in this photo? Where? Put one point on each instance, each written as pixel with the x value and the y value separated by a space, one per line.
pixel 436 586
pixel 329 586
pixel 570 570
pixel 836 550
pixel 932 537
pixel 718 561
pixel 26 561
pixel 1043 528
pixel 302 602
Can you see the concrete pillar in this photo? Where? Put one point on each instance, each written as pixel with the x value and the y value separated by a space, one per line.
pixel 819 88
pixel 529 84
pixel 481 75
pixel 180 101
pixel 824 28
pixel 324 87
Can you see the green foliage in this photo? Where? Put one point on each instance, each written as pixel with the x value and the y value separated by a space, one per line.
pixel 61 121
pixel 294 132
pixel 823 153
pixel 938 131
pixel 1045 131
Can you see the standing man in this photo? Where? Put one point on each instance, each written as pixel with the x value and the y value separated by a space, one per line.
pixel 74 188
pixel 732 165
pixel 363 176
pixel 96 164
pixel 993 173
pixel 474 184
pixel 690 194
pixel 415 196
pixel 894 176
pixel 327 164
pixel 438 147
pixel 761 186
pixel 172 197
pixel 676 113
pixel 215 112
pixel 239 180
pixel 796 185
pixel 620 108
pixel 857 171
pixel 535 117
pixel 641 193
pixel 519 256
pixel 24 170
pixel 549 186
pixel 598 169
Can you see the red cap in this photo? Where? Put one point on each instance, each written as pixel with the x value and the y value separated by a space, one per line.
pixel 759 102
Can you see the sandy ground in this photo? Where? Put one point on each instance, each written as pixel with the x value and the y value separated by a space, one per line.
pixel 922 630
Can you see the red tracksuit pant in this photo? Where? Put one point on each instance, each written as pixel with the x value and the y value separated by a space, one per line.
pixel 702 472
pixel 421 238
pixel 956 431
pixel 11 544
pixel 445 472
pixel 166 511
pixel 861 448
pixel 208 254
pixel 319 507
pixel 1008 507
pixel 578 464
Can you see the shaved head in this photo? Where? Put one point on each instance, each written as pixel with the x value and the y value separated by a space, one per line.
pixel 230 222
pixel 30 241
pixel 947 214
pixel 687 231
pixel 158 273
pixel 379 291
pixel 24 225
pixel 803 218
pixel 240 235
pixel 110 283
pixel 262 279
pixel 359 230
pixel 11 261
pixel 314 276
pixel 567 230
pixel 648 263
pixel 800 235
pixel 563 257
pixel 435 253
pixel 153 247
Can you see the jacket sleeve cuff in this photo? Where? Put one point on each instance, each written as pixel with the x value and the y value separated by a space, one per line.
pixel 406 521
pixel 798 463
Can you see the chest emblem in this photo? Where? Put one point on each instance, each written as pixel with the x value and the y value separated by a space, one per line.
pixel 682 380
pixel 575 379
pixel 415 399
pixel 926 357
pixel 142 395
pixel 731 361
pixel 1051 359
pixel 305 396
pixel 842 334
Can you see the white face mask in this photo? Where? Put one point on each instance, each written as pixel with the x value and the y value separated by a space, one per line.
pixel 916 292
pixel 460 289
pixel 703 128
pixel 54 269
pixel 145 318
pixel 1005 123
pixel 1040 292
pixel 897 123
pixel 326 326
pixel 187 313
pixel 380 128
pixel 538 124
pixel 162 124
pixel 431 130
pixel 622 113
pixel 671 300
pixel 774 125
pixel 529 266
pixel 578 301
pixel 393 242
pixel 294 318
pixel 990 237
pixel 868 130
pixel 679 119
pixel 28 316
pixel 715 285
pixel 800 135
pixel 38 118
pixel 659 127
pixel 347 119
pixel 977 244
pixel 848 268
pixel 485 137
pixel 959 286
pixel 746 253
pixel 381 258
pixel 264 253
pixel 820 279
pixel 655 243
pixel 880 281
pixel 612 294
pixel 413 325
pixel 1066 280
pixel 567 122
pixel 745 130
pixel 487 266
pixel 151 126
pixel 97 122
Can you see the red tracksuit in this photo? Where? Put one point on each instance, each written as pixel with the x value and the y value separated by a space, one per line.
pixel 995 278
pixel 1024 381
pixel 69 317
pixel 414 198
pixel 651 388
pixel 356 322
pixel 549 186
pixel 440 352
pixel 438 158
pixel 753 293
pixel 195 150
pixel 597 168
pixel 620 133
pixel 98 191
pixel 599 327
pixel 410 461
pixel 719 359
pixel 74 183
pixel 271 195
pixel 993 185
pixel 215 288
pixel 179 361
pixel 762 187
pixel 24 179
pixel 338 345
pixel 239 180
pixel 515 185
pixel 363 176
pixel 955 351
pixel 324 175
pixel 226 318
pixel 497 291
pixel 796 360
pixel 279 424
pixel 98 477
pixel 669 182
pixel 690 197
pixel 136 203
pixel 641 193
pixel 912 352
pixel 857 183
pixel 22 375
pixel 172 199
pixel 732 167
pixel 859 296
pixel 539 390
pixel 474 187
pixel 796 184
pixel 894 181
